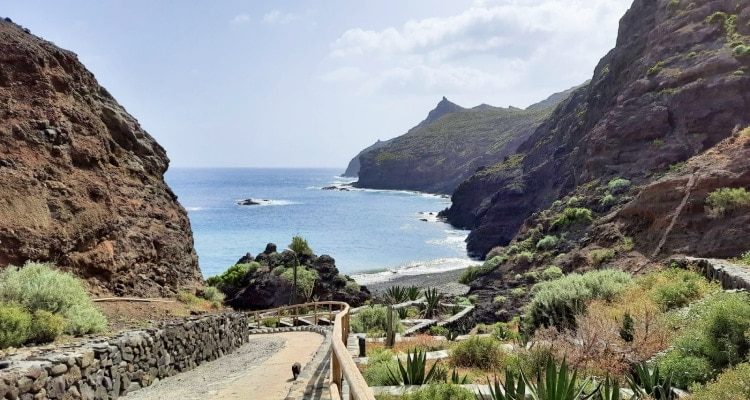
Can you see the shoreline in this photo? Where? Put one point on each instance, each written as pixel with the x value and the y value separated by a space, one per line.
pixel 446 282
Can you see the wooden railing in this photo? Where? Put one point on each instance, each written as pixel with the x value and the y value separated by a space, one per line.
pixel 343 367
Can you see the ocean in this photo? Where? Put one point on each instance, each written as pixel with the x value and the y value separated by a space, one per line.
pixel 372 234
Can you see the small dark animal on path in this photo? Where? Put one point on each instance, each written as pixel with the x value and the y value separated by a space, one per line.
pixel 296 368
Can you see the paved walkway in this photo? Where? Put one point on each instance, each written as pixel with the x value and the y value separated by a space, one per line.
pixel 261 369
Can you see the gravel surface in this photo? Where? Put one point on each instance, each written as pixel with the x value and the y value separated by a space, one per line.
pixel 446 282
pixel 206 380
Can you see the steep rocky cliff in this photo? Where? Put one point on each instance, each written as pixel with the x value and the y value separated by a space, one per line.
pixel 352 169
pixel 676 84
pixel 82 183
pixel 449 145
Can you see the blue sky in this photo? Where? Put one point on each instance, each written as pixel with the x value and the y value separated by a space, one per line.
pixel 310 83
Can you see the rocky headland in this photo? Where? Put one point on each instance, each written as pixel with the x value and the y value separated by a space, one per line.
pixel 82 182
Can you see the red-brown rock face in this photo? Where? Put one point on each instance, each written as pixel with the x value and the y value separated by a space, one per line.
pixel 81 184
pixel 676 84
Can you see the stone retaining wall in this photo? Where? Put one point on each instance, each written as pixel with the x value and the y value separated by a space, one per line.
pixel 731 277
pixel 106 368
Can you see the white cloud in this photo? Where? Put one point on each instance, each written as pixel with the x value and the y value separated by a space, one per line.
pixel 276 17
pixel 240 19
pixel 492 45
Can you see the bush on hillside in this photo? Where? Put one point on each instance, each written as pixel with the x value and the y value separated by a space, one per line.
pixel 551 273
pixel 380 365
pixel 213 295
pixel 478 352
pixel 38 286
pixel 473 273
pixel 548 242
pixel 601 256
pixel 618 185
pixel 675 287
pixel 45 326
pixel 608 200
pixel 725 200
pixel 573 216
pixel 717 333
pixel 233 276
pixel 15 325
pixel 557 303
pixel 733 383
pixel 374 318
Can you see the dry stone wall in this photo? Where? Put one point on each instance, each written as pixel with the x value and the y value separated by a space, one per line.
pixel 106 368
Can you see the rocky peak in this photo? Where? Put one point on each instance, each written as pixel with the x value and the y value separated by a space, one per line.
pixel 444 107
pixel 82 182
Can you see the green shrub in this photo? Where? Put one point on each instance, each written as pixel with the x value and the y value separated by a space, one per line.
pixel 270 322
pixel 609 200
pixel 724 200
pixel 685 369
pixel 380 365
pixel 15 325
pixel 523 257
pixel 233 276
pixel 186 297
pixel 478 352
pixel 573 216
pixel 745 258
pixel 518 292
pixel 300 246
pixel 214 295
pixel 499 299
pixel 532 276
pixel 675 287
pixel 548 242
pixel 442 391
pixel 374 318
pixel 501 331
pixel 601 256
pixel 656 68
pixel 551 273
pixel 306 278
pixel 439 331
pixel 558 302
pixel 45 326
pixel 473 273
pixel 733 383
pixel 39 286
pixel 618 185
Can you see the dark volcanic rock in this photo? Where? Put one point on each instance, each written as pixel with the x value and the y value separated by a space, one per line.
pixel 82 182
pixel 352 170
pixel 671 89
pixel 263 288
pixel 248 202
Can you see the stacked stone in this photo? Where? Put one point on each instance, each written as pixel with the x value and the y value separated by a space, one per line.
pixel 112 367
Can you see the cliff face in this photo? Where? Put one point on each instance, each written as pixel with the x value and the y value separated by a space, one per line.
pixel 82 183
pixel 676 84
pixel 449 145
pixel 352 170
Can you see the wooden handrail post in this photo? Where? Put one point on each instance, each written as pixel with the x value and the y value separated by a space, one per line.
pixel 336 373
pixel 315 313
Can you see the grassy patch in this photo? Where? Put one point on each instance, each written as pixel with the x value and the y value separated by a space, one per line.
pixel 478 352
pixel 733 383
pixel 573 216
pixel 601 256
pixel 374 318
pixel 724 200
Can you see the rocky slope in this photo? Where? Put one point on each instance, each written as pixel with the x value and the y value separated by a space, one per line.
pixel 449 145
pixel 352 169
pixel 82 183
pixel 676 84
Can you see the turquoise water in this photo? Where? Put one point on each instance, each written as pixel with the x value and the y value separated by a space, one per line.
pixel 366 231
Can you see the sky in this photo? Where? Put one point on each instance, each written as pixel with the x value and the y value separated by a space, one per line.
pixel 310 83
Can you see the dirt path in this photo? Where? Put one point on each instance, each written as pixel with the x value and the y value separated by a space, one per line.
pixel 261 369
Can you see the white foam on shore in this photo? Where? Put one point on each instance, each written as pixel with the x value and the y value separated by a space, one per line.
pixel 414 268
pixel 191 209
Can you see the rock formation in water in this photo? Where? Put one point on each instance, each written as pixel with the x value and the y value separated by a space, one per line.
pixel 82 183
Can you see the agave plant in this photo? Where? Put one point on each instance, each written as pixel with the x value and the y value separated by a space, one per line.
pixel 457 379
pixel 558 384
pixel 645 382
pixel 609 390
pixel 414 372
pixel 432 297
pixel 396 294
pixel 402 312
pixel 512 389
pixel 412 293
